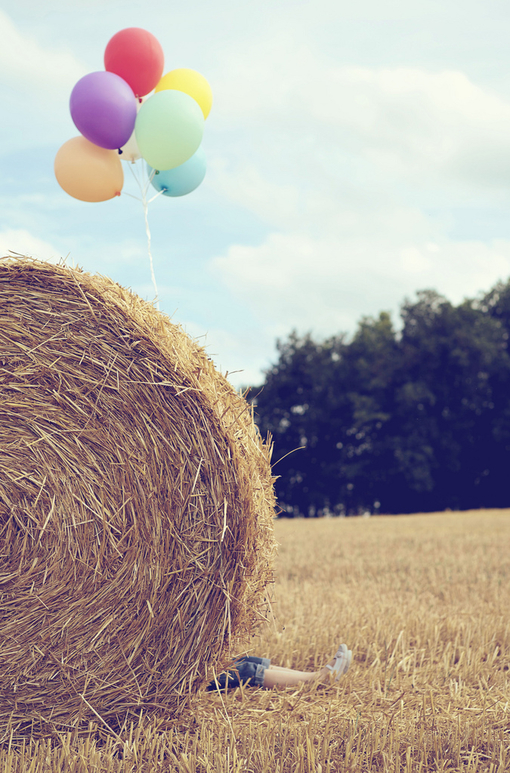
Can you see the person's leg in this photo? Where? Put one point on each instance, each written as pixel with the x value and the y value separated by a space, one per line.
pixel 287 677
pixel 258 672
pixel 276 676
pixel 247 670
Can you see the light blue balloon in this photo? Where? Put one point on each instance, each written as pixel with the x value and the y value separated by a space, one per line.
pixel 181 179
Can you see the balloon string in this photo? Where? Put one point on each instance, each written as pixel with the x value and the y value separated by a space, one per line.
pixel 144 189
pixel 132 170
pixel 156 196
pixel 148 232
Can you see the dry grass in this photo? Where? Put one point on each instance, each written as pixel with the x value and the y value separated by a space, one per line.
pixel 423 602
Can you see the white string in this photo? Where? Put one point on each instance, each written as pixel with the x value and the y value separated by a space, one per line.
pixel 132 168
pixel 148 232
pixel 144 184
pixel 156 196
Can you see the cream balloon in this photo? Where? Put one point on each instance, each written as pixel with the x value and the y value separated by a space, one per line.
pixel 131 151
pixel 88 172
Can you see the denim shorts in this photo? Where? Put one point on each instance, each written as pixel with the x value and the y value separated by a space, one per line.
pixel 247 670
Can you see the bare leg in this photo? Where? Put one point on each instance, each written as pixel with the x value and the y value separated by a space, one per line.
pixel 275 676
pixel 285 677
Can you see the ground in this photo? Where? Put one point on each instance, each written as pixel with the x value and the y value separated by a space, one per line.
pixel 422 600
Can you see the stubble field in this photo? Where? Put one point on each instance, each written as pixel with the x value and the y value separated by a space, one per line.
pixel 423 601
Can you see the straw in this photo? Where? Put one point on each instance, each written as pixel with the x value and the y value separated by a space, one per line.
pixel 136 506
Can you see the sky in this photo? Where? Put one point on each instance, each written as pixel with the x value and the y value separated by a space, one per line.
pixel 357 153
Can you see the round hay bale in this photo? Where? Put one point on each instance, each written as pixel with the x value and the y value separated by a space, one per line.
pixel 136 505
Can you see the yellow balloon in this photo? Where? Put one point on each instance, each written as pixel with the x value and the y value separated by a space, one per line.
pixel 88 172
pixel 192 83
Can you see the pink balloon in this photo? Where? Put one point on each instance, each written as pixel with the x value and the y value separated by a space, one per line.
pixel 103 108
pixel 137 56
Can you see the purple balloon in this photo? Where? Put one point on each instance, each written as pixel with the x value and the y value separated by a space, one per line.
pixel 103 108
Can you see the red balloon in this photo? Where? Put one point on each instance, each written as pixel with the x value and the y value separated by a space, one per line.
pixel 136 56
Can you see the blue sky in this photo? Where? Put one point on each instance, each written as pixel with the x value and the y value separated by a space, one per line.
pixel 356 153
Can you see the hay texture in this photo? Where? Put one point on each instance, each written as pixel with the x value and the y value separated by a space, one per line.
pixel 136 505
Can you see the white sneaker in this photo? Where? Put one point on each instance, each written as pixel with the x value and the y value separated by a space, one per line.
pixel 342 662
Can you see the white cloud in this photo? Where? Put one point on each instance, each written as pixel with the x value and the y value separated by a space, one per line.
pixel 414 261
pixel 343 163
pixel 326 285
pixel 26 65
pixel 272 201
pixel 429 126
pixel 24 243
pixel 36 83
pixel 308 122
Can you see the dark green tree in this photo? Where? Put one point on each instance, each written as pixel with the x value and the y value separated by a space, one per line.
pixel 418 420
pixel 329 401
pixel 291 406
pixel 444 409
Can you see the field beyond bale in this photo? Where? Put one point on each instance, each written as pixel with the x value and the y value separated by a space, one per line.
pixel 421 600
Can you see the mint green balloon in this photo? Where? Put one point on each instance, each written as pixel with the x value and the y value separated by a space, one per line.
pixel 169 128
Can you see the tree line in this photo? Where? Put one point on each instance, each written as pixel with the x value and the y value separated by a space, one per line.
pixel 388 421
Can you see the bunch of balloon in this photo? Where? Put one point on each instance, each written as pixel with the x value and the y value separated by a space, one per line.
pixel 132 112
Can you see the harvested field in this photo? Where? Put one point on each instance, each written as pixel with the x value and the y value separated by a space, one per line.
pixel 423 602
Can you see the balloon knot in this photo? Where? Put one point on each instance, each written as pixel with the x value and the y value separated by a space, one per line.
pixel 156 171
pixel 117 193
pixel 140 99
pixel 120 151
